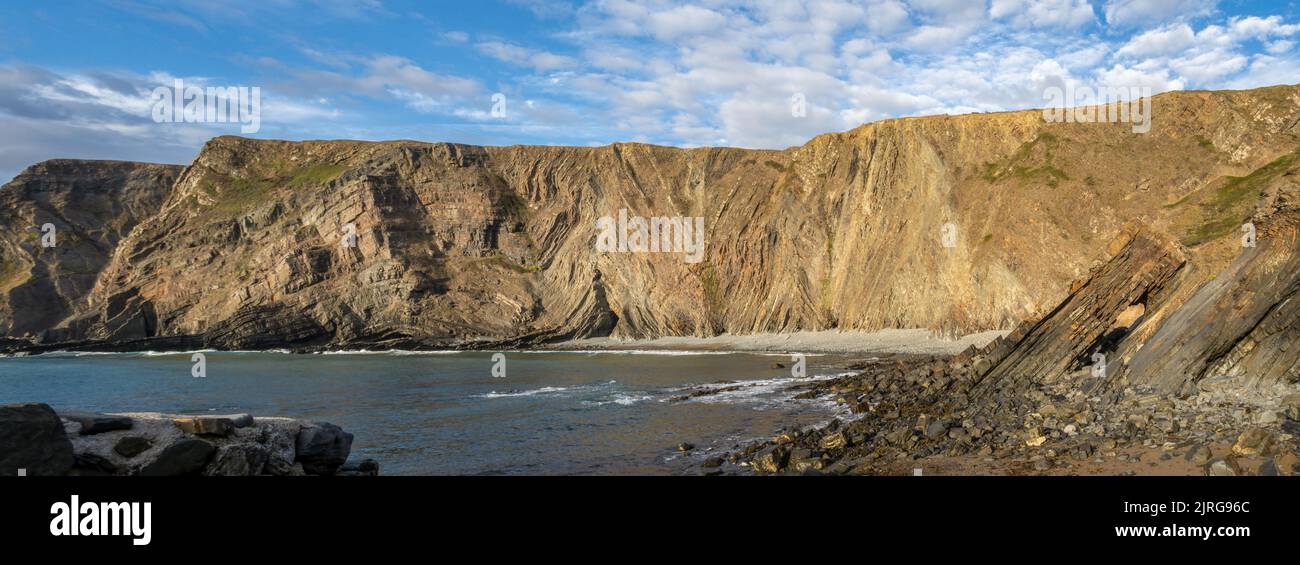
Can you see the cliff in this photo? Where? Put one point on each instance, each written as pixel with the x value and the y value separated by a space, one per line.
pixel 474 246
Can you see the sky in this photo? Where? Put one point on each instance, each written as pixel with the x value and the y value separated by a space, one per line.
pixel 76 77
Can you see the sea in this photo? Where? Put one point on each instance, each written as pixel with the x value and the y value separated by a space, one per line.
pixel 464 413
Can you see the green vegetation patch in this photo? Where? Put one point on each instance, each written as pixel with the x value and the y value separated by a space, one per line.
pixel 1020 166
pixel 1232 203
pixel 315 175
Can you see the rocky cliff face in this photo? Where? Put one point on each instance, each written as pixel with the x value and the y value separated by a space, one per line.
pixel 91 206
pixel 957 224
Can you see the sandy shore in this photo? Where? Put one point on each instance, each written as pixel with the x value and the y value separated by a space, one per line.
pixel 885 341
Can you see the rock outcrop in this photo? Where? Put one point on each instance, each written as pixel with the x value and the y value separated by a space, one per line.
pixel 956 224
pixel 90 206
pixel 38 441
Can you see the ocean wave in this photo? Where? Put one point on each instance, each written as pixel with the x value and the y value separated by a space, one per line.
pixel 620 399
pixel 516 393
pixel 764 391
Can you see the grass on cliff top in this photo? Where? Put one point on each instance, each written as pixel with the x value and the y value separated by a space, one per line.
pixel 1232 203
pixel 315 175
pixel 235 195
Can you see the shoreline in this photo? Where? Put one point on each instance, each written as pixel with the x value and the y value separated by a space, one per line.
pixel 892 341
pixel 889 341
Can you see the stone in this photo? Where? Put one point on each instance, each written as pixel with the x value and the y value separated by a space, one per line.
pixel 713 462
pixel 684 447
pixel 936 429
pixel 1268 469
pixel 1224 468
pixel 1291 406
pixel 32 438
pixel 130 446
pixel 98 423
pixel 281 445
pixel 363 468
pixel 206 425
pixel 1199 454
pixel 770 459
pixel 778 365
pixel 322 448
pixel 1288 464
pixel 1035 438
pixel 833 441
pixel 185 457
pixel 1255 441
pixel 238 460
pixel 89 464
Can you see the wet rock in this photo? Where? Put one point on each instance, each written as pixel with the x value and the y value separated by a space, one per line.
pixel 32 438
pixel 185 457
pixel 684 447
pixel 363 468
pixel 713 462
pixel 131 446
pixel 97 423
pixel 322 448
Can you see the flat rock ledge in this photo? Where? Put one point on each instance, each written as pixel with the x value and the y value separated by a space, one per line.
pixel 36 440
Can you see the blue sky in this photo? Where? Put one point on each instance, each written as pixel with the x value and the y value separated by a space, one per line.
pixel 75 77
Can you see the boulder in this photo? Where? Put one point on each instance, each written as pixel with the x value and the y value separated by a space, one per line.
pixel 322 448
pixel 1255 441
pixel 185 457
pixel 1199 454
pixel 1291 406
pixel 238 460
pixel 836 440
pixel 92 423
pixel 130 446
pixel 32 438
pixel 1224 468
pixel 771 459
pixel 363 468
pixel 281 448
pixel 89 464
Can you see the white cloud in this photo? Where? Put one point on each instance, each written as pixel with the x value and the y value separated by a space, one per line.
pixel 514 54
pixel 1154 13
pixel 1043 13
pixel 1163 41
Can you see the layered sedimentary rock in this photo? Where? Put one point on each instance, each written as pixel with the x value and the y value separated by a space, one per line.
pixel 956 224
pixel 85 208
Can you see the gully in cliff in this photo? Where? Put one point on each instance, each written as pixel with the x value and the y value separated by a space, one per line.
pixel 666 234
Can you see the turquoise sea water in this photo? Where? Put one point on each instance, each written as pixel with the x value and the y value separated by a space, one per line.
pixel 445 412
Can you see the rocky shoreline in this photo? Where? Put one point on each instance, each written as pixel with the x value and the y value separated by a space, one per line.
pixel 917 412
pixel 37 441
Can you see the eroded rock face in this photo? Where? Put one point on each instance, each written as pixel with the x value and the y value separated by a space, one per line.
pixel 468 246
pixel 91 205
